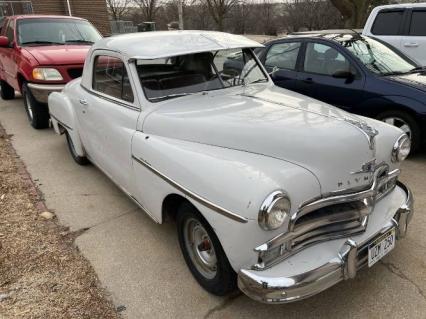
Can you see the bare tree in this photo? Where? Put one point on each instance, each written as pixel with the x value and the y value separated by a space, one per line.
pixel 355 12
pixel 149 8
pixel 311 15
pixel 240 16
pixel 118 8
pixel 219 9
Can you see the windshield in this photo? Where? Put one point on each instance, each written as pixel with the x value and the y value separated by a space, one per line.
pixel 378 57
pixel 56 31
pixel 193 73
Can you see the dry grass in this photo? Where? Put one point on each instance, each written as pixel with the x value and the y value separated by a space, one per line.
pixel 42 274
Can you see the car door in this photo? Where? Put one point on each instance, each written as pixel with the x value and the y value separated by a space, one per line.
pixel 330 75
pixel 414 42
pixel 388 26
pixel 8 55
pixel 281 61
pixel 108 116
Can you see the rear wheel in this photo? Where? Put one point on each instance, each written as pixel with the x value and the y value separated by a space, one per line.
pixel 7 92
pixel 80 160
pixel 203 252
pixel 38 113
pixel 406 123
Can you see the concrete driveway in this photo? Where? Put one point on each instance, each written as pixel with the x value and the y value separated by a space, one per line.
pixel 140 264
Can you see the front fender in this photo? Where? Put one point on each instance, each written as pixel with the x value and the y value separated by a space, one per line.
pixel 63 117
pixel 384 103
pixel 234 180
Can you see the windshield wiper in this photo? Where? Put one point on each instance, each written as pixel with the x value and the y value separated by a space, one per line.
pixel 79 41
pixel 394 73
pixel 258 81
pixel 418 69
pixel 42 42
pixel 170 96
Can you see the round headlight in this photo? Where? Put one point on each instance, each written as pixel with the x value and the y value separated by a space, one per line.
pixel 401 149
pixel 275 211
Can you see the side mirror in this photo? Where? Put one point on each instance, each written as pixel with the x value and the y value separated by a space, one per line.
pixel 4 42
pixel 344 74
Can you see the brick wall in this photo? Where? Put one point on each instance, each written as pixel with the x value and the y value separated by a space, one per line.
pixel 93 10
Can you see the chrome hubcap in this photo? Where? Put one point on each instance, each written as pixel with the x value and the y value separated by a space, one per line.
pixel 400 123
pixel 200 248
pixel 29 106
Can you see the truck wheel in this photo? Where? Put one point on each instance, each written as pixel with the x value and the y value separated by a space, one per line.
pixel 7 92
pixel 38 113
pixel 80 160
pixel 406 123
pixel 203 252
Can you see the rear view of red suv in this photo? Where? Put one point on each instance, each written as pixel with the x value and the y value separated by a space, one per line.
pixel 39 55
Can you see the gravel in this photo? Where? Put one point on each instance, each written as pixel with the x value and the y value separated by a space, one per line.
pixel 42 274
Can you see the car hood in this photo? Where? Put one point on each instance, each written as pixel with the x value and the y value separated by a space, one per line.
pixel 277 123
pixel 59 54
pixel 416 80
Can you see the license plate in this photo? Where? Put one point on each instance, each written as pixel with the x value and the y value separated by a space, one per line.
pixel 381 247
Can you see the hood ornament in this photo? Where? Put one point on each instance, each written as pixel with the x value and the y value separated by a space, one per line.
pixel 369 131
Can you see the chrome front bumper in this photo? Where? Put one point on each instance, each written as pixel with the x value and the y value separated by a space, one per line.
pixel 350 258
pixel 41 91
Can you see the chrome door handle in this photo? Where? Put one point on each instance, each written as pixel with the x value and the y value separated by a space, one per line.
pixel 411 45
pixel 83 102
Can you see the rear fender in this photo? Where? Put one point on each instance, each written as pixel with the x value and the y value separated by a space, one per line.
pixel 64 119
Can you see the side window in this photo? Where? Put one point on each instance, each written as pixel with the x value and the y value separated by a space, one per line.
pixel 325 60
pixel 283 55
pixel 110 77
pixel 388 23
pixel 418 23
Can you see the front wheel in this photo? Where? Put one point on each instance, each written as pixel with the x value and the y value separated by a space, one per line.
pixel 203 252
pixel 406 123
pixel 38 113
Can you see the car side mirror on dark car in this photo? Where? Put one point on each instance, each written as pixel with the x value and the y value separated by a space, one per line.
pixel 344 74
pixel 4 42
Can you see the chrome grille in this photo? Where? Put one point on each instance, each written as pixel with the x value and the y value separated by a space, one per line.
pixel 326 219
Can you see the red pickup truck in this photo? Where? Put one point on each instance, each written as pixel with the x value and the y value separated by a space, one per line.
pixel 39 55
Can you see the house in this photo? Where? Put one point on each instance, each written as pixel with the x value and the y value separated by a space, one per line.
pixel 94 10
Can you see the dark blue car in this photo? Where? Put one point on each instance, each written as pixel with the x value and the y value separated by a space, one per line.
pixel 359 74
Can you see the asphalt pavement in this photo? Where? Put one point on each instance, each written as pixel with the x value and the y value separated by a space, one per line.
pixel 140 264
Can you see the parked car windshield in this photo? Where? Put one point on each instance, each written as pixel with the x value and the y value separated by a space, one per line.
pixel 192 73
pixel 378 57
pixel 55 31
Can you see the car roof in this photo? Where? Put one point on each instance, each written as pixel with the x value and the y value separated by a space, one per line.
pixel 401 5
pixel 162 44
pixel 42 16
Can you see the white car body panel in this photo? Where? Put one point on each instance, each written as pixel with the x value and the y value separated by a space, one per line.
pixel 413 46
pixel 227 156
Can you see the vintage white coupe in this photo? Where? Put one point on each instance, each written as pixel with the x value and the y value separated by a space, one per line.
pixel 276 192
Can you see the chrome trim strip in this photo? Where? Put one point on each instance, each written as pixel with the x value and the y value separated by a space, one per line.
pixel 46 87
pixel 351 257
pixel 191 194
